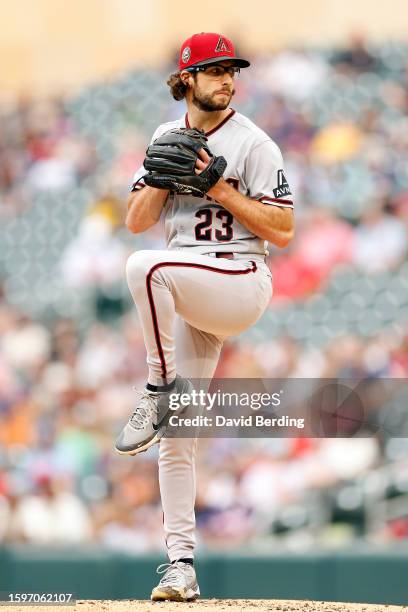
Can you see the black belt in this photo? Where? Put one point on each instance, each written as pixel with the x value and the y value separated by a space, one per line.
pixel 222 254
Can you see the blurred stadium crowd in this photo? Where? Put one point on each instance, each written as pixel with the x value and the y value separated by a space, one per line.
pixel 71 347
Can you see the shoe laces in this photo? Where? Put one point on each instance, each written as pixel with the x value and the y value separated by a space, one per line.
pixel 147 407
pixel 171 571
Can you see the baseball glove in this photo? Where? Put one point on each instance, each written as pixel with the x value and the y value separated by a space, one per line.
pixel 171 158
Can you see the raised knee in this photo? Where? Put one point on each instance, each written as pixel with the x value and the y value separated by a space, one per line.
pixel 138 266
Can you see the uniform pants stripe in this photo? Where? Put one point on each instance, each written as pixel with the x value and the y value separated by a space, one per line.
pixel 166 264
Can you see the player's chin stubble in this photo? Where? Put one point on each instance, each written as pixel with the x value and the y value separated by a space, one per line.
pixel 206 102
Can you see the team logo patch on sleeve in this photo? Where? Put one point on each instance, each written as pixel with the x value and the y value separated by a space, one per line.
pixel 283 188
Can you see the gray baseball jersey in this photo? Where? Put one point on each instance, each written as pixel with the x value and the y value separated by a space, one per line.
pixel 255 168
pixel 190 300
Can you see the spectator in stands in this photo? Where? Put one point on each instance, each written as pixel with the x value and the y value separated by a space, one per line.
pixel 379 228
pixel 52 514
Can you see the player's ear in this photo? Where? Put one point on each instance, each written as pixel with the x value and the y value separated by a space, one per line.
pixel 187 78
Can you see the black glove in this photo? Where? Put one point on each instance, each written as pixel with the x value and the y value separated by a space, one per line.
pixel 171 158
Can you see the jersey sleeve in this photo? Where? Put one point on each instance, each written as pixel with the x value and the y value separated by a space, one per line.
pixel 138 182
pixel 265 176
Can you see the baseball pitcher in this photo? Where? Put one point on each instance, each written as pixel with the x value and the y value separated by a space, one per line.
pixel 219 181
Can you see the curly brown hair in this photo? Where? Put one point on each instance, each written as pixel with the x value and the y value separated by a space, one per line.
pixel 177 87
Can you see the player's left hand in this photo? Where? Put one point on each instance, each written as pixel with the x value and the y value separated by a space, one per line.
pixel 202 161
pixel 171 163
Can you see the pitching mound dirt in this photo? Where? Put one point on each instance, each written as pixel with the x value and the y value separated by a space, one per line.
pixel 204 605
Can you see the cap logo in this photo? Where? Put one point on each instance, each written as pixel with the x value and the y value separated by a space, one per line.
pixel 185 56
pixel 222 46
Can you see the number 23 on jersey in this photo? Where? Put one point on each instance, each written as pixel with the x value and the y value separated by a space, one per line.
pixel 205 231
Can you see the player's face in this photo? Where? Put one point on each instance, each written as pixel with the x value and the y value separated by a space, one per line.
pixel 214 87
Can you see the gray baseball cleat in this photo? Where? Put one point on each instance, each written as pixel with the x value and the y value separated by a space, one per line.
pixel 149 421
pixel 179 583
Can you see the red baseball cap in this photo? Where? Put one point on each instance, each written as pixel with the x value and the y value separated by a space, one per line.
pixel 207 48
